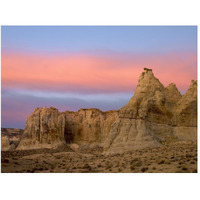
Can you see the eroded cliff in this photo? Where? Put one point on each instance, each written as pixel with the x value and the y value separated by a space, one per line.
pixel 153 116
pixel 47 127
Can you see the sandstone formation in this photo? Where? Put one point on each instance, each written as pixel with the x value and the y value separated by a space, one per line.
pixel 89 125
pixel 47 127
pixel 10 138
pixel 44 127
pixel 154 115
pixel 12 132
pixel 5 146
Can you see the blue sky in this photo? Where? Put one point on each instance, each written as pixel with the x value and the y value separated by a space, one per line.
pixel 146 39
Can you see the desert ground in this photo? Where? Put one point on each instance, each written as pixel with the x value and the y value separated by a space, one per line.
pixel 177 157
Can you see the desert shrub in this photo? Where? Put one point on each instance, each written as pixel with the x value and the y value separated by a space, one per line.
pixel 195 159
pixel 134 160
pixel 119 170
pixel 87 166
pixel 180 162
pixel 138 164
pixel 132 167
pixel 184 168
pixel 144 169
pixel 154 168
pixel 99 165
pixel 188 155
pixel 160 161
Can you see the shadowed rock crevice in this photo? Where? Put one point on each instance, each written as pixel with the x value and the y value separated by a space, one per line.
pixel 68 135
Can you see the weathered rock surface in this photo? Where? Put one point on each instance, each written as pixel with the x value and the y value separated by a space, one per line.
pixel 151 101
pixel 44 128
pixel 47 127
pixel 154 115
pixel 5 146
pixel 186 108
pixel 10 138
pixel 89 125
pixel 12 132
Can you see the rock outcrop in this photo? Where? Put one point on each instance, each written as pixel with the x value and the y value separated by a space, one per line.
pixel 47 127
pixel 88 125
pixel 186 108
pixel 10 138
pixel 185 115
pixel 44 128
pixel 5 145
pixel 153 116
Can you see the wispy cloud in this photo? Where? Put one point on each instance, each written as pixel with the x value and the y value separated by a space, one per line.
pixel 74 81
pixel 94 74
pixel 19 104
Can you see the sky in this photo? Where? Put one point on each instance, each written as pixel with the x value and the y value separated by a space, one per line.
pixel 73 67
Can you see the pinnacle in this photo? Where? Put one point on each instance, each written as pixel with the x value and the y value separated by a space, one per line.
pixel 147 69
pixel 172 86
pixel 193 82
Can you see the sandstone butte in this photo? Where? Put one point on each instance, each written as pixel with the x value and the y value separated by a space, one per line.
pixel 154 116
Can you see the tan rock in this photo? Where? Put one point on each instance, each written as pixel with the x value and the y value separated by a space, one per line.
pixel 154 115
pixel 149 101
pixel 88 125
pixel 10 138
pixel 47 127
pixel 186 108
pixel 5 145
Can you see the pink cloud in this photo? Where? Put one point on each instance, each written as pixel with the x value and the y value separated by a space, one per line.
pixel 92 73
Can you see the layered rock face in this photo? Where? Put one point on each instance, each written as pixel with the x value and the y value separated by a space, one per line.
pixel 88 125
pixel 185 117
pixel 186 108
pixel 12 132
pixel 154 115
pixel 47 127
pixel 44 127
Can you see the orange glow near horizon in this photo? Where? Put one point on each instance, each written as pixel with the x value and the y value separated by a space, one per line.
pixel 91 73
